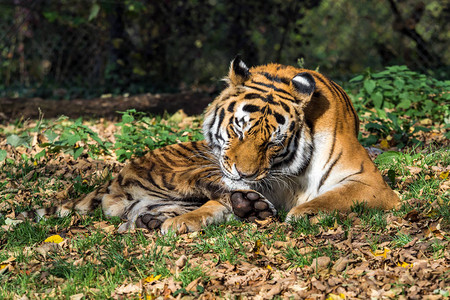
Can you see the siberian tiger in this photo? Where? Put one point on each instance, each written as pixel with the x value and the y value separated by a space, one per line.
pixel 276 137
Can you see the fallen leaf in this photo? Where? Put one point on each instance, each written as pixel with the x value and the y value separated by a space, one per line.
pixel 181 262
pixel 379 253
pixel 12 222
pixel 335 297
pixel 54 239
pixel 47 248
pixel 77 297
pixel 414 170
pixel 320 263
pixel 384 144
pixel 152 278
pixel 405 265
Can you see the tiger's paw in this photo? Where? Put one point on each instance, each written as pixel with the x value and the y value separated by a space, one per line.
pixel 145 220
pixel 148 221
pixel 181 224
pixel 251 206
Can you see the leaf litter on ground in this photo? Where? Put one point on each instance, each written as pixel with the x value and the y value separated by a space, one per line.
pixel 402 254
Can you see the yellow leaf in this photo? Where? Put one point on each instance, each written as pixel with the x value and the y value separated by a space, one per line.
pixel 54 239
pixel 405 265
pixel 335 297
pixel 257 246
pixel 379 253
pixel 152 278
pixel 269 267
pixel 2 266
pixel 384 144
pixel 444 175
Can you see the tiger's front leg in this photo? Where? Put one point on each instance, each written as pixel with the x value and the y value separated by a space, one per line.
pixel 343 198
pixel 212 212
pixel 247 205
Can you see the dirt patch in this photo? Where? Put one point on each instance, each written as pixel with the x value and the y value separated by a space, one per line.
pixel 29 108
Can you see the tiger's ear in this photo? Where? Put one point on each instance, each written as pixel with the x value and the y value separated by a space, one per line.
pixel 303 86
pixel 239 72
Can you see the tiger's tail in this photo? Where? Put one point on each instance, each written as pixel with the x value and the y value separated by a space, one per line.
pixel 83 205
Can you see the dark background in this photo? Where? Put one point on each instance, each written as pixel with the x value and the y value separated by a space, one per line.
pixel 82 49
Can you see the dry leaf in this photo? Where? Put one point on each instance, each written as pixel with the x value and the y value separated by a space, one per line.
pixel 320 263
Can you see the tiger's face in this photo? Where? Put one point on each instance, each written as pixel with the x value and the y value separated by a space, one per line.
pixel 256 127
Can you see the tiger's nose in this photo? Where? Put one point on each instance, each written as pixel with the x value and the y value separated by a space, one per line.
pixel 247 175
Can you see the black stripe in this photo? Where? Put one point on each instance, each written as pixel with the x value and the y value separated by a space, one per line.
pixel 294 138
pixel 348 105
pixel 129 208
pixel 275 78
pixel 231 106
pixel 51 210
pixel 286 107
pixel 251 108
pixel 269 99
pixel 221 117
pixel 271 86
pixel 291 127
pixel 327 173
pixel 288 99
pixel 258 89
pixel 356 173
pixel 196 148
pixel 280 119
pixel 95 203
pixel 333 144
pixel 359 181
pixel 327 85
pixel 152 190
pixel 185 147
pixel 167 158
pixel 339 92
pixel 181 154
pixel 153 206
pixel 167 183
pixel 252 96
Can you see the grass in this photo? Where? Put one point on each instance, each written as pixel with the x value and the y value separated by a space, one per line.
pixel 97 262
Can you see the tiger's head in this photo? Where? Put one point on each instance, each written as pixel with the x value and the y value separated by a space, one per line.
pixel 256 126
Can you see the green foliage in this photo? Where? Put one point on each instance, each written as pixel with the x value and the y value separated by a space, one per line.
pixel 73 138
pixel 140 133
pixel 408 92
pixel 384 96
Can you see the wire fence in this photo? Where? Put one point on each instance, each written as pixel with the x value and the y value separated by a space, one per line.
pixel 80 48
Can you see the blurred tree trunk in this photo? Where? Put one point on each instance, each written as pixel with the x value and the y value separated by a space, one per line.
pixel 118 43
pixel 407 27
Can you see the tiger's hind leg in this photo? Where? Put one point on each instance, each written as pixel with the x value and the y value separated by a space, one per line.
pixel 151 214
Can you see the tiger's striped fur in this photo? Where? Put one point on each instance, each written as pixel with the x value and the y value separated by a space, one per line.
pixel 276 137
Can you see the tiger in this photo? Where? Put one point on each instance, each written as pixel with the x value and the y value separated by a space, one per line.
pixel 276 138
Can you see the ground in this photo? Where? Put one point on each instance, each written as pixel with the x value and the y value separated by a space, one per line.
pixel 401 254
